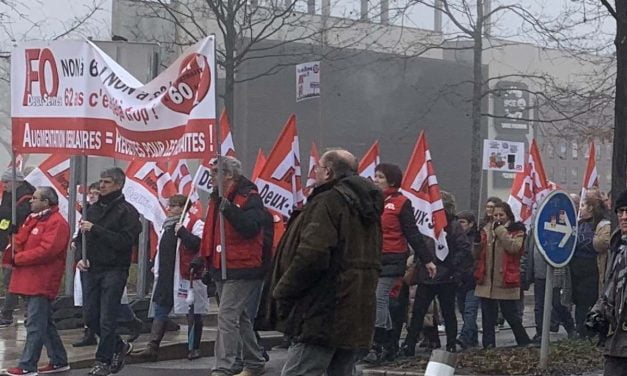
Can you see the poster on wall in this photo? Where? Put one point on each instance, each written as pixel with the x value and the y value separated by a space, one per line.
pixel 307 80
pixel 70 97
pixel 501 155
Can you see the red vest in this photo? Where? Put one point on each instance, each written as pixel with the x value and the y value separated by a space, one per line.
pixel 394 240
pixel 243 256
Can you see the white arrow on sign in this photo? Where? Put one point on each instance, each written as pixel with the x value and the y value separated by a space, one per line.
pixel 565 229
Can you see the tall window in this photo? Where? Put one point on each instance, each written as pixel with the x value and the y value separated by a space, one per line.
pixel 575 150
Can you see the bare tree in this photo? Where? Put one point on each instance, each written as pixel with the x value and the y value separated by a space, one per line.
pixel 255 30
pixel 472 29
pixel 618 11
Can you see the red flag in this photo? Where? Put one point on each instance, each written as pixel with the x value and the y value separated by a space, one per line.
pixel 279 181
pixel 370 160
pixel 530 187
pixel 314 157
pixel 591 179
pixel 54 172
pixel 181 176
pixel 259 163
pixel 148 186
pixel 226 137
pixel 420 185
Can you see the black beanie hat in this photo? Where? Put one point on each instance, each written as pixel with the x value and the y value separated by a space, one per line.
pixel 621 201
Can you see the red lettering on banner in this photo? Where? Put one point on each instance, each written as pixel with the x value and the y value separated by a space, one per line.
pixel 43 56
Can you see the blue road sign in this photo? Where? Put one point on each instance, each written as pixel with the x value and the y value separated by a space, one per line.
pixel 555 228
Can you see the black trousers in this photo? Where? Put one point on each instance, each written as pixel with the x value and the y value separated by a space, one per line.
pixel 103 291
pixel 489 313
pixel 615 366
pixel 424 296
pixel 398 312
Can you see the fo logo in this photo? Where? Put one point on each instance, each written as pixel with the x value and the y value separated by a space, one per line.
pixel 191 86
pixel 44 62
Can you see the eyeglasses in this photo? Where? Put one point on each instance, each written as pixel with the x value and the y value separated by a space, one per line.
pixel 105 181
pixel 621 211
pixel 37 198
pixel 320 166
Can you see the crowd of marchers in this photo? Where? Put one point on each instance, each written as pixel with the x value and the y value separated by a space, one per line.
pixel 350 273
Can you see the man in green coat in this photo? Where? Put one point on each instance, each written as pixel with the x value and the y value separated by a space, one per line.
pixel 326 270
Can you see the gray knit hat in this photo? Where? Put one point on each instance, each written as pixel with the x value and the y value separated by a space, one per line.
pixel 8 175
pixel 621 201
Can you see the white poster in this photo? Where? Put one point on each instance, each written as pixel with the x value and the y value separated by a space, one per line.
pixel 307 80
pixel 70 97
pixel 500 155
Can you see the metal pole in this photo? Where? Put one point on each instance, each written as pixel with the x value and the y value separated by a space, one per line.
pixel 546 317
pixel 13 203
pixel 71 216
pixel 142 258
pixel 220 186
pixel 84 203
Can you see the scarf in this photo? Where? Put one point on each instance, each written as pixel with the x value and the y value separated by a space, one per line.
pixel 171 221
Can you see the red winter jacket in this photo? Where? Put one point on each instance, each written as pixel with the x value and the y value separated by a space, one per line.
pixel 40 247
pixel 246 221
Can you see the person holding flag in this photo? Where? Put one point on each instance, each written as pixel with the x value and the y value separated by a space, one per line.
pixel 247 242
pixel 399 232
pixel 177 259
pixel 110 229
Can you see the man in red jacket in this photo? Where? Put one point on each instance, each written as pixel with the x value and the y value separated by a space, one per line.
pixel 38 264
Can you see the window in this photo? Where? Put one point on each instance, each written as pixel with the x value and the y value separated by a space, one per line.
pixel 608 148
pixel 563 149
pixel 574 174
pixel 550 149
pixel 563 175
pixel 575 150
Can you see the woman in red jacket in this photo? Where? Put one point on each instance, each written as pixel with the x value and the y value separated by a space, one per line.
pixel 498 273
pixel 399 232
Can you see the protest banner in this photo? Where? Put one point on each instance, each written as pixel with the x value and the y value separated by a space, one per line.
pixel 70 97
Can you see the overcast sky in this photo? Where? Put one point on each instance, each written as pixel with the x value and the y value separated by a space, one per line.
pixel 43 19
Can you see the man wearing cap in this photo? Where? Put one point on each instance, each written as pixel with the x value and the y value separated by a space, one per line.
pixel 23 193
pixel 611 308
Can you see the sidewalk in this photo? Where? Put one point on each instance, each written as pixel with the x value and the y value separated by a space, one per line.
pixel 174 345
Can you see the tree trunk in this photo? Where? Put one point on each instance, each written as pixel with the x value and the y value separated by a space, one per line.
pixel 619 155
pixel 477 86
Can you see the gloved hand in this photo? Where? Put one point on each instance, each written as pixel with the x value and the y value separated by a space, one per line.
pixel 197 264
pixel 225 204
pixel 12 229
pixel 496 224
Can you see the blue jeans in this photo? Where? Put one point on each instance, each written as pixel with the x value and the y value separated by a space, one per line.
pixel 469 334
pixel 102 308
pixel 40 332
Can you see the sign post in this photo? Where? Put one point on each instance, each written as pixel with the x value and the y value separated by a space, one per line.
pixel 555 236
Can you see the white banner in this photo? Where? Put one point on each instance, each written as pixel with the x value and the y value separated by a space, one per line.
pixel 70 97
pixel 307 80
pixel 500 155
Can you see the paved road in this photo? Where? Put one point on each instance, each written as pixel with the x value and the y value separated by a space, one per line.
pixel 199 367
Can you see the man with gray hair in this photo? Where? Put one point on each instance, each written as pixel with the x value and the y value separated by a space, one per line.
pixel 38 259
pixel 23 193
pixel 248 241
pixel 326 269
pixel 111 229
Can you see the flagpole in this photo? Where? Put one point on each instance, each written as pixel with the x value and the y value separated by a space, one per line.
pixel 71 215
pixel 84 203
pixel 13 204
pixel 220 177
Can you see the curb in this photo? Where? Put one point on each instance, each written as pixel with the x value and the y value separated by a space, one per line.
pixel 175 351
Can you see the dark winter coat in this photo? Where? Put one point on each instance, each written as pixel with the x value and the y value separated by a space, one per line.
pixel 610 303
pixel 115 231
pixel 458 260
pixel 326 268
pixel 23 193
